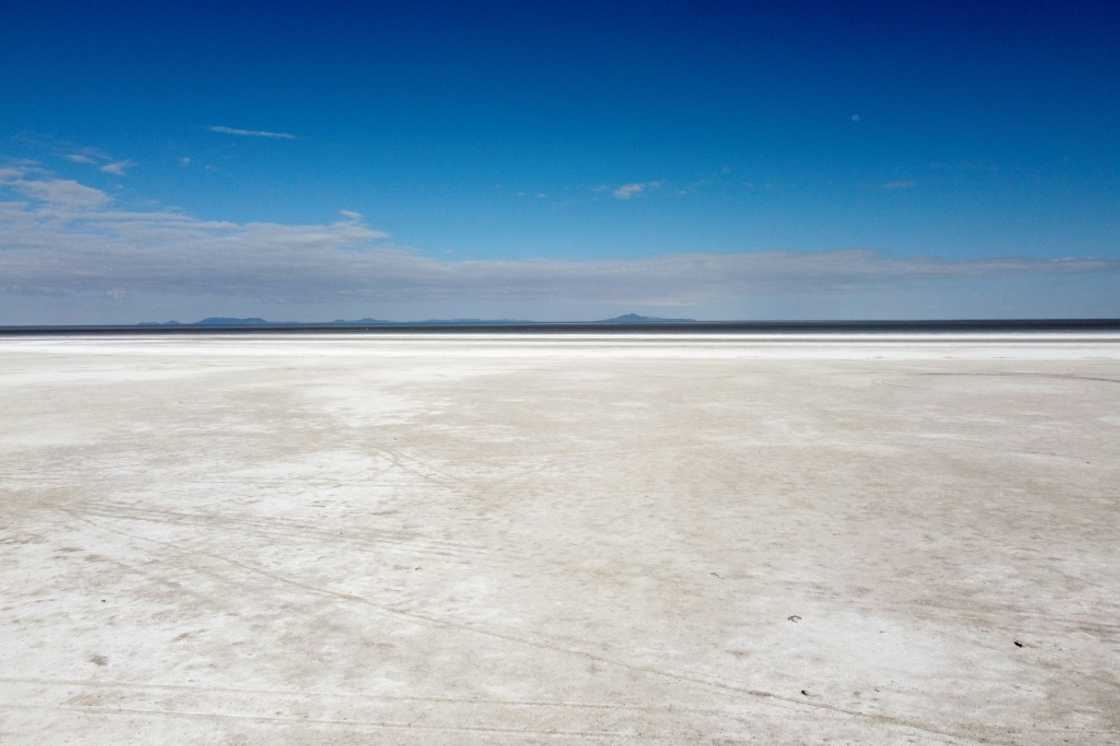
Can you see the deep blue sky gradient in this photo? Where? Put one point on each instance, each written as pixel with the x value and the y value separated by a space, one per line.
pixel 500 131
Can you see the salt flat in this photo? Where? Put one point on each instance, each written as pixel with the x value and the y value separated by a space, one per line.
pixel 560 539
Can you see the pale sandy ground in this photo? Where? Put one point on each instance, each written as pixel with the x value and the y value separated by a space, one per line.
pixel 441 540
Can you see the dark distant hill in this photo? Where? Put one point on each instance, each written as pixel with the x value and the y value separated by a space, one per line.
pixel 358 322
pixel 213 321
pixel 633 318
pixel 231 321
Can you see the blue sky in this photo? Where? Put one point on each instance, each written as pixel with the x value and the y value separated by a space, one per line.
pixel 708 160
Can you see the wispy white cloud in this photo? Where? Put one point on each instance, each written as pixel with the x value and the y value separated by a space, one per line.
pixel 67 238
pixel 87 156
pixel 117 168
pixel 252 133
pixel 633 189
pixel 900 184
pixel 52 192
pixel 183 161
pixel 101 159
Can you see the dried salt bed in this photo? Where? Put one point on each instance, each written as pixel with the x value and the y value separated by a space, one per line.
pixel 569 538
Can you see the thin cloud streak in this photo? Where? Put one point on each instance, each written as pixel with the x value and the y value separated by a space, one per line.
pixel 628 191
pixel 117 168
pixel 252 133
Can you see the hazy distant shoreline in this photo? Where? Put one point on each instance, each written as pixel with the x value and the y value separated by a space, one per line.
pixel 978 326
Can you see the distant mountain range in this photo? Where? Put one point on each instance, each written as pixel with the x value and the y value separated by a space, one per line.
pixel 627 318
pixel 633 318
